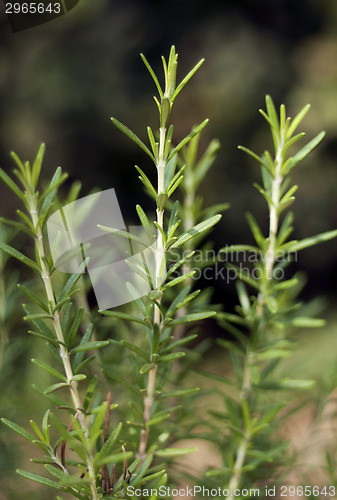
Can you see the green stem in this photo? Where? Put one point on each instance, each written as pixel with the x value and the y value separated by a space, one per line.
pixel 59 334
pixel 269 262
pixel 274 212
pixel 239 462
pixel 189 222
pixel 270 256
pixel 159 278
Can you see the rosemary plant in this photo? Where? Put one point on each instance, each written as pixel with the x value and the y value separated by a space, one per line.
pixel 111 461
pixel 56 324
pixel 252 452
pixel 91 472
pixel 158 314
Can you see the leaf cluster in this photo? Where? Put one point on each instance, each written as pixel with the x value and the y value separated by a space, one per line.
pixel 57 322
pixel 268 311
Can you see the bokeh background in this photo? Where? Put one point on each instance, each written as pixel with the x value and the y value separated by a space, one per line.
pixel 60 83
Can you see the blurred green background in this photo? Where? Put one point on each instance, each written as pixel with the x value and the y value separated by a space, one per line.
pixel 60 83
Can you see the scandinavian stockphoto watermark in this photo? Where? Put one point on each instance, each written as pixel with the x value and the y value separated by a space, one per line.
pixel 228 265
pixel 119 261
pixel 90 235
pixel 192 492
pixel 286 491
pixel 28 14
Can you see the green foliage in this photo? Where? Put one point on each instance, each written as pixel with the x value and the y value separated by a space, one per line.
pixel 58 325
pixel 268 310
pixel 156 313
pixel 148 355
pixel 97 451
